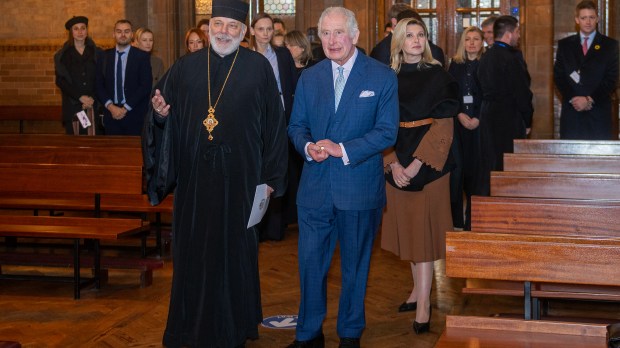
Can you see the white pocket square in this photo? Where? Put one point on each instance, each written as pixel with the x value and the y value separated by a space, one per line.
pixel 366 94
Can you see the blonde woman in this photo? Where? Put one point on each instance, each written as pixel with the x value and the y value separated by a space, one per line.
pixel 418 190
pixel 466 145
pixel 143 39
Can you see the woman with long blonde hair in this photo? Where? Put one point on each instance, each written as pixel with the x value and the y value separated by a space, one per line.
pixel 417 214
pixel 466 145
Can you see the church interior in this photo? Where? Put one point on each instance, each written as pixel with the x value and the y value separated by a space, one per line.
pixel 559 284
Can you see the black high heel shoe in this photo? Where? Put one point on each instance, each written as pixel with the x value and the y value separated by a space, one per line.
pixel 420 328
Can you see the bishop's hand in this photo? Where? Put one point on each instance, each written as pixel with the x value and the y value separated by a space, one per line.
pixel 159 104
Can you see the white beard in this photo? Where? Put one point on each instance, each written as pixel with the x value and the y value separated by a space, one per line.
pixel 226 48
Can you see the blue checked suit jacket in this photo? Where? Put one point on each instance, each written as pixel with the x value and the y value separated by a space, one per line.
pixel 366 123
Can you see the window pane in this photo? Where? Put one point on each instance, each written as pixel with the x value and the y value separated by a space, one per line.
pixel 279 7
pixel 467 3
pixel 489 3
pixel 430 19
pixel 424 4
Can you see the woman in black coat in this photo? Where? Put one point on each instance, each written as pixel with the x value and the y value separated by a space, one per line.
pixel 466 145
pixel 282 211
pixel 75 66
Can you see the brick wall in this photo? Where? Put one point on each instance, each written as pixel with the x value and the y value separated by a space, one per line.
pixel 27 47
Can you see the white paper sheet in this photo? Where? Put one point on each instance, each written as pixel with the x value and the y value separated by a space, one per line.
pixel 260 204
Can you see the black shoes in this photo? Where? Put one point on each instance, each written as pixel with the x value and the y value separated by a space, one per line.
pixel 420 328
pixel 317 342
pixel 347 342
pixel 408 306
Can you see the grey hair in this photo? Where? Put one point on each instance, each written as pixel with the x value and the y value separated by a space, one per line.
pixel 352 26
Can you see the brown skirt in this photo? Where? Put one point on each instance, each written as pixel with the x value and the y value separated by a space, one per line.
pixel 415 223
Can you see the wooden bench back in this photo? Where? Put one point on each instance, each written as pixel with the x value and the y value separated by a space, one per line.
pixel 32 163
pixel 560 217
pixel 535 258
pixel 112 156
pixel 555 185
pixel 567 147
pixel 31 112
pixel 561 163
pixel 70 178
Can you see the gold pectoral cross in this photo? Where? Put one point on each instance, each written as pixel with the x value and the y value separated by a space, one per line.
pixel 210 122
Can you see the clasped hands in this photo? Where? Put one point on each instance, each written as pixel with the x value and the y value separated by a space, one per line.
pixel 117 112
pixel 402 176
pixel 322 149
pixel 159 104
pixel 582 103
pixel 470 123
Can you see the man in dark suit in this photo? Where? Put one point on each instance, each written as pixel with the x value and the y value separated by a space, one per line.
pixel 381 51
pixel 586 74
pixel 506 111
pixel 124 83
pixel 345 114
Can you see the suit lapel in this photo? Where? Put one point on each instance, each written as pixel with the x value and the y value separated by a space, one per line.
pixel 326 95
pixel 593 51
pixel 576 49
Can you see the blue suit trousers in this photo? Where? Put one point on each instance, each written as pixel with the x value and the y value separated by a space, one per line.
pixel 319 230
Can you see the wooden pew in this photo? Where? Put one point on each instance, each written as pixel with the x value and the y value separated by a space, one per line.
pixel 567 147
pixel 18 175
pixel 527 258
pixel 595 164
pixel 549 230
pixel 96 150
pixel 551 217
pixel 23 113
pixel 526 204
pixel 483 332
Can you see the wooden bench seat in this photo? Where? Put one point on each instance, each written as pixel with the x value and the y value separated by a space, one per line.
pixel 596 164
pixel 74 229
pixel 567 147
pixel 555 185
pixel 145 266
pixel 481 332
pixel 542 290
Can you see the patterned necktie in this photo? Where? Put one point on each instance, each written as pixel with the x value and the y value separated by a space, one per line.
pixel 339 87
pixel 119 78
pixel 584 46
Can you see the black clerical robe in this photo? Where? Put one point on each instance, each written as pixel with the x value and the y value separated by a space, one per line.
pixel 506 110
pixel 215 297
